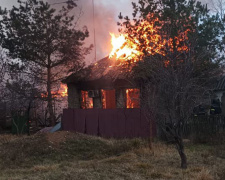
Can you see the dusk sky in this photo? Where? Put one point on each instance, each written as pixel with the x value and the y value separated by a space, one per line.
pixel 106 18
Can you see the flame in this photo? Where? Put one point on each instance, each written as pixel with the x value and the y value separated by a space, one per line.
pixel 86 102
pixel 122 48
pixel 146 39
pixel 103 93
pixel 133 98
pixel 62 92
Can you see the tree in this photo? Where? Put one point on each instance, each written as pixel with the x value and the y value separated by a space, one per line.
pixel 3 69
pixel 44 41
pixel 178 42
pixel 217 6
pixel 21 97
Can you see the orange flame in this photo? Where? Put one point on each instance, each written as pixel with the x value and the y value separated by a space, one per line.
pixel 62 92
pixel 145 39
pixel 133 98
pixel 86 102
pixel 122 48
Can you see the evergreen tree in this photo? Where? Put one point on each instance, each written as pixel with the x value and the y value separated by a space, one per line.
pixel 45 41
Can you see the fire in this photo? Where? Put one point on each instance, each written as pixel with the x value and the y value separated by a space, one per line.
pixel 86 102
pixel 62 92
pixel 122 48
pixel 133 98
pixel 146 39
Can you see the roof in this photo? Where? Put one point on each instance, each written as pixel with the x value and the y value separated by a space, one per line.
pixel 104 69
pixel 221 84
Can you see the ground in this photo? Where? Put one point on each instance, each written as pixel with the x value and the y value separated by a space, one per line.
pixel 64 155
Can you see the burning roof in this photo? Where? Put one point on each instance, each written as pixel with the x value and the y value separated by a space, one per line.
pixel 104 69
pixel 130 47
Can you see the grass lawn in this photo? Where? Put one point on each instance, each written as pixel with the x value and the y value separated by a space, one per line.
pixel 63 155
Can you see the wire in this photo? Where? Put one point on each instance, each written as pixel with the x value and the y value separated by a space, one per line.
pixel 93 5
pixel 68 2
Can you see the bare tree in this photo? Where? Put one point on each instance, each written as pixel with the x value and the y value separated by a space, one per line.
pixel 217 7
pixel 179 44
pixel 171 91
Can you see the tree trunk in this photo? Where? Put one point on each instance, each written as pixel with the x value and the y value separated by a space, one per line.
pixel 151 115
pixel 150 134
pixel 180 148
pixel 50 106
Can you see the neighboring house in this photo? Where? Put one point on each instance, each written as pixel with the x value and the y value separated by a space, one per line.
pixel 220 88
pixel 104 100
pixel 218 101
pixel 217 104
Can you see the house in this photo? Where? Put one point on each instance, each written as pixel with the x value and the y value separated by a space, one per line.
pixel 220 88
pixel 102 85
pixel 218 101
pixel 103 99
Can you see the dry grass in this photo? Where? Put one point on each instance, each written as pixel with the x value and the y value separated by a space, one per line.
pixel 66 155
pixel 6 138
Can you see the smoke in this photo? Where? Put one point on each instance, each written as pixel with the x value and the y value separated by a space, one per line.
pixel 105 22
pixel 105 17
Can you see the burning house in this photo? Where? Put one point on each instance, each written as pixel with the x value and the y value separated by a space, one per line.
pixel 106 84
pixel 103 100
pixel 102 85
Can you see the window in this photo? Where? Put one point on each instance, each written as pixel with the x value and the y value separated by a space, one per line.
pixel 133 98
pixel 108 99
pixel 86 102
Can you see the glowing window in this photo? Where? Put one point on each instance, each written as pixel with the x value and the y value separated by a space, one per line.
pixel 108 99
pixel 133 98
pixel 86 102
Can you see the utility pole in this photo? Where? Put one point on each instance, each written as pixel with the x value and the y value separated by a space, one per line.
pixel 93 5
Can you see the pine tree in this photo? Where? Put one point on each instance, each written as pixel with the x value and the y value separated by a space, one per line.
pixel 45 41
